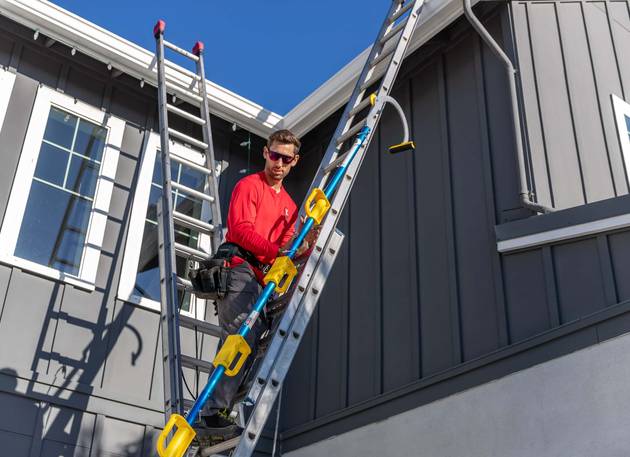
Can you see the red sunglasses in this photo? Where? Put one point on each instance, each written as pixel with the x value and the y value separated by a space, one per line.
pixel 273 155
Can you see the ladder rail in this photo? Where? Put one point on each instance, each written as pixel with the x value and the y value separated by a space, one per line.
pixel 207 138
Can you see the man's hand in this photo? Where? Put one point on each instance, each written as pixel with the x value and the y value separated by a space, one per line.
pixel 309 240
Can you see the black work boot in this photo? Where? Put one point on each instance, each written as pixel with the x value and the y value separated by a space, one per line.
pixel 216 428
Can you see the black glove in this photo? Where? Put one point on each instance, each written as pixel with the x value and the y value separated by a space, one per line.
pixel 210 281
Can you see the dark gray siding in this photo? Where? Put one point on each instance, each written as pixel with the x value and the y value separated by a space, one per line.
pixel 572 57
pixel 420 303
pixel 80 371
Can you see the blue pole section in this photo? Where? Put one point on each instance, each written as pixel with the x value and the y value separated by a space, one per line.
pixel 218 372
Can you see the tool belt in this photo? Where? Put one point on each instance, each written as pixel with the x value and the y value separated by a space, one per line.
pixel 212 278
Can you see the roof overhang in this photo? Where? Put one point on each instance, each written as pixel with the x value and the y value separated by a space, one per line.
pixel 109 48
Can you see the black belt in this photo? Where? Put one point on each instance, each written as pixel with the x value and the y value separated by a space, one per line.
pixel 228 250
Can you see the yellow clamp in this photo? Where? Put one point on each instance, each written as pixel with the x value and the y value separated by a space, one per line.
pixel 182 438
pixel 373 99
pixel 282 268
pixel 317 205
pixel 234 346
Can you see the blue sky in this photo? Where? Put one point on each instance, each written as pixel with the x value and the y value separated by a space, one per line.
pixel 273 52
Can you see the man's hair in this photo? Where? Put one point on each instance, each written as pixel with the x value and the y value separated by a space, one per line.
pixel 284 137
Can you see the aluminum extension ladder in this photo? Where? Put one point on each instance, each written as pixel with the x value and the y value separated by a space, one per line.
pixel 358 123
pixel 168 248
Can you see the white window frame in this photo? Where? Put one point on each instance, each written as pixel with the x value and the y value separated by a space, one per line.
pixel 137 219
pixel 7 79
pixel 622 109
pixel 45 99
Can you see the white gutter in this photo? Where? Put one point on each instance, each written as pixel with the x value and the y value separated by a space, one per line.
pixel 109 48
pixel 335 92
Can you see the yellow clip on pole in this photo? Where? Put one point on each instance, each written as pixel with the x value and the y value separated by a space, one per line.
pixel 234 346
pixel 282 268
pixel 317 205
pixel 182 438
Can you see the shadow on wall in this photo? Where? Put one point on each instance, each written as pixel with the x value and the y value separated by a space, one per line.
pixel 50 417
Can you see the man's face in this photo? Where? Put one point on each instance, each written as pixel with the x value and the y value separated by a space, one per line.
pixel 275 157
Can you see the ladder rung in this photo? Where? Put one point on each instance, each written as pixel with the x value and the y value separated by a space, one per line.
pixel 394 31
pixel 371 81
pixel 401 11
pixel 365 102
pixel 184 250
pixel 184 284
pixel 185 114
pixel 179 88
pixel 188 139
pixel 221 447
pixel 384 54
pixel 192 223
pixel 351 132
pixel 335 163
pixel 192 192
pixel 202 326
pixel 191 362
pixel 174 66
pixel 189 164
pixel 181 51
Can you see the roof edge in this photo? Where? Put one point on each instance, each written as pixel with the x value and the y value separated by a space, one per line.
pixel 109 48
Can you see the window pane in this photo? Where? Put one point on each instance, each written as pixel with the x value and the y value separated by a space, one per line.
pixel 60 128
pixel 90 140
pixel 148 276
pixel 51 164
pixel 192 178
pixel 627 123
pixel 82 176
pixel 54 227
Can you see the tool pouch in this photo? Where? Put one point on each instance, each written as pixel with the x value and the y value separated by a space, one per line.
pixel 211 280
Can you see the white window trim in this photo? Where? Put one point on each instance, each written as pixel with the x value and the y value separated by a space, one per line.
pixel 47 97
pixel 133 244
pixel 7 79
pixel 622 109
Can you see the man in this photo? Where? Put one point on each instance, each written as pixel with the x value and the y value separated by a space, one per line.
pixel 260 226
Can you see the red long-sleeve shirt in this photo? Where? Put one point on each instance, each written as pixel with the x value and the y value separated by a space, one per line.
pixel 260 219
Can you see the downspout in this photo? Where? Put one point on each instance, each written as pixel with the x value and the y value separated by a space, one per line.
pixel 524 191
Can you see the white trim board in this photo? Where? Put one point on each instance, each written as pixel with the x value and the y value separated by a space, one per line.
pixel 564 233
pixel 109 48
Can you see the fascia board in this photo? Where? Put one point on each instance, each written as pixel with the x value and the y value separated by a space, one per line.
pixel 109 48
pixel 334 93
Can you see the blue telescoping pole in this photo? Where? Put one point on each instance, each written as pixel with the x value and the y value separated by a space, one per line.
pixel 245 328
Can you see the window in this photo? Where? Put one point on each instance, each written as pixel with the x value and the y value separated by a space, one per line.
pixel 55 219
pixel 7 78
pixel 140 272
pixel 622 117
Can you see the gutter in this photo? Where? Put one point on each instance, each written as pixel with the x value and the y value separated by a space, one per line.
pixel 525 193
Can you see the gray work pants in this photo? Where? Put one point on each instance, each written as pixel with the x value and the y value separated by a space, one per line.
pixel 243 290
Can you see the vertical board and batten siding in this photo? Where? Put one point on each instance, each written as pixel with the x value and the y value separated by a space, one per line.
pixel 81 371
pixel 420 292
pixel 572 56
